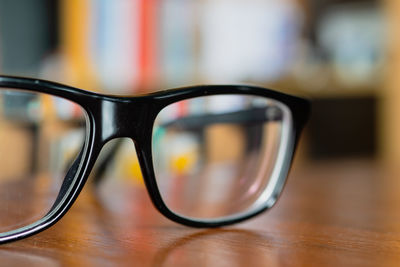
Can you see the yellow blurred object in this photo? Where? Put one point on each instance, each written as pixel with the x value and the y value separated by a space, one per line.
pixel 132 171
pixel 181 164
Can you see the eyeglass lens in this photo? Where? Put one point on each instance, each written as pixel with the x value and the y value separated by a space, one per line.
pixel 214 156
pixel 40 137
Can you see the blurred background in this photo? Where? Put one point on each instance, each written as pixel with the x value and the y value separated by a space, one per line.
pixel 342 54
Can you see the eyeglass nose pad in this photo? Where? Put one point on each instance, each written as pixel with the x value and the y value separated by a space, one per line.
pixel 99 173
pixel 69 177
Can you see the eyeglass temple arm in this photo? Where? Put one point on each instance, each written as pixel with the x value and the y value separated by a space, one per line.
pixel 250 116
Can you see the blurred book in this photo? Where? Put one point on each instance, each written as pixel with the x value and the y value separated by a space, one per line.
pixel 111 45
pixel 148 44
pixel 77 61
pixel 178 41
pixel 115 43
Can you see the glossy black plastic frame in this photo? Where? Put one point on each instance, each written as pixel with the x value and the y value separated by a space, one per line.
pixel 110 117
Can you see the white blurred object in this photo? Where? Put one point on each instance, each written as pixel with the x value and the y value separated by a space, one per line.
pixel 225 103
pixel 248 40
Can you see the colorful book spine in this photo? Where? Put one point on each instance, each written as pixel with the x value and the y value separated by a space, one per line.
pixel 75 32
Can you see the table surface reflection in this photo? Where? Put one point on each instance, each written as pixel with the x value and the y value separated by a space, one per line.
pixel 330 214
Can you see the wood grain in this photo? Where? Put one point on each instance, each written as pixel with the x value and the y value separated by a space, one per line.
pixel 330 214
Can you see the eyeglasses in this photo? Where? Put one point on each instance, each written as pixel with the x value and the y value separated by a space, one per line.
pixel 209 155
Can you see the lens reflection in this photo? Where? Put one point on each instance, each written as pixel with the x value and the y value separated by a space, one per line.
pixel 214 156
pixel 40 137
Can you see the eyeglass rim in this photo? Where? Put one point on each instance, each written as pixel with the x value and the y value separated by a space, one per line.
pixel 89 101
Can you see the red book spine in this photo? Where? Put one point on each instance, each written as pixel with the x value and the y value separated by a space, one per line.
pixel 147 44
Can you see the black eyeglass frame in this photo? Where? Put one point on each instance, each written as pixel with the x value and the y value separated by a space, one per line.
pixel 110 117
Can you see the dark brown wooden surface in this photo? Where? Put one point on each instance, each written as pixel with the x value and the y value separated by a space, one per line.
pixel 330 214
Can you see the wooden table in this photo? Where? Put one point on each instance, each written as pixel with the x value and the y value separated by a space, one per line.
pixel 330 214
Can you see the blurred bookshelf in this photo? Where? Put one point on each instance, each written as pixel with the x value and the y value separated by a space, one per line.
pixel 322 49
pixel 313 46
